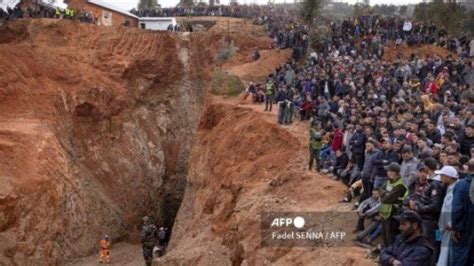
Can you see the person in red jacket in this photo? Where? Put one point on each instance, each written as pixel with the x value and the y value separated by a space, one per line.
pixel 431 87
pixel 337 139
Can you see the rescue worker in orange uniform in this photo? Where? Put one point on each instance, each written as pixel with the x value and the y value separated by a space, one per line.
pixel 104 250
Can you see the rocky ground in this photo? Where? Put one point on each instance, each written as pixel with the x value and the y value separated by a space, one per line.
pixel 96 125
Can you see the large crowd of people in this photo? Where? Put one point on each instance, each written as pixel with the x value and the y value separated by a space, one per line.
pixel 399 134
pixel 238 11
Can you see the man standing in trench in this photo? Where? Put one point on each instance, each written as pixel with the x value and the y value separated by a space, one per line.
pixel 149 234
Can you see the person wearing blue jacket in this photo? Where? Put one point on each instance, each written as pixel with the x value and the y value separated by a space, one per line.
pixel 462 216
pixel 411 247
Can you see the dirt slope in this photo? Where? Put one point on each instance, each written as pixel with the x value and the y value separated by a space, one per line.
pixel 96 127
pixel 237 171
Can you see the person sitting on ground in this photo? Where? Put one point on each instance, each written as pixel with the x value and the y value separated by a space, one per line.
pixel 374 230
pixel 250 90
pixel 350 174
pixel 353 191
pixel 411 247
pixel 341 163
pixel 367 209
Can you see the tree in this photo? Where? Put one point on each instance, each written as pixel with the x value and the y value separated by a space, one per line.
pixel 148 4
pixel 310 10
pixel 186 3
pixel 403 10
pixel 384 9
pixel 361 10
pixel 452 16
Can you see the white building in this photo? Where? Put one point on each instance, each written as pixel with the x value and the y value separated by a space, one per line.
pixel 156 23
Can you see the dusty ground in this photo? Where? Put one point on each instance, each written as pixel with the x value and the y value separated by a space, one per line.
pixel 256 71
pixel 121 254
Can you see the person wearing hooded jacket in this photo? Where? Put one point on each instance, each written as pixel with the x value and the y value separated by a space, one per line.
pixel 410 247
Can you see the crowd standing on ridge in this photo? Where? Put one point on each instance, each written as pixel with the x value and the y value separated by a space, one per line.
pixel 200 11
pixel 399 134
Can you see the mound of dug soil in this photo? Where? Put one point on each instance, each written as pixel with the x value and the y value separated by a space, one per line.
pixel 391 52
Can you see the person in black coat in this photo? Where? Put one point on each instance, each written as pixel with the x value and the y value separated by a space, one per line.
pixel 387 156
pixel 468 140
pixel 341 163
pixel 410 247
pixel 357 143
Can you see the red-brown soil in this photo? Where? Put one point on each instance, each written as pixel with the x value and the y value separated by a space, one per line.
pixel 96 125
pixel 391 53
pixel 243 164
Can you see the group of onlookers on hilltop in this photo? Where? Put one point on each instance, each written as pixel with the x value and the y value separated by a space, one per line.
pixel 200 11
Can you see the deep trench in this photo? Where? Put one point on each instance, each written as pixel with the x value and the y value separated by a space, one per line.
pixel 174 184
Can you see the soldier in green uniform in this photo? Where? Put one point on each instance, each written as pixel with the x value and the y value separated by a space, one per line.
pixel 315 145
pixel 149 235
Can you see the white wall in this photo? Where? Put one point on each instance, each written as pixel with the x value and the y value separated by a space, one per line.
pixel 161 24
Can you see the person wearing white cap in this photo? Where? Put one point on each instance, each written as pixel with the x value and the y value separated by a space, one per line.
pixel 449 177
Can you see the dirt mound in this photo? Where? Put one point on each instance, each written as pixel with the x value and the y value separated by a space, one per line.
pixel 96 125
pixel 242 33
pixel 391 52
pixel 258 70
pixel 223 83
pixel 242 165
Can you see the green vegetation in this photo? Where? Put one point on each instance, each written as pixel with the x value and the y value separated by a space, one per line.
pixel 148 4
pixel 226 51
pixel 224 83
pixel 453 17
pixel 310 10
